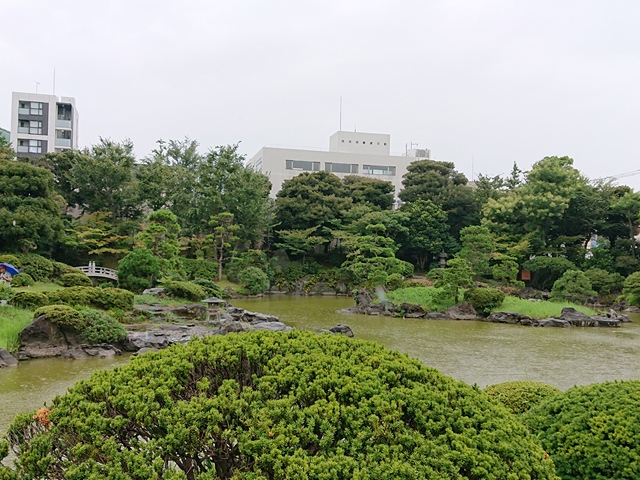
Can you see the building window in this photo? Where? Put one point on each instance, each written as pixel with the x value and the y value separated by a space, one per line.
pixel 33 127
pixel 35 108
pixel 341 167
pixel 29 146
pixel 378 170
pixel 35 146
pixel 303 165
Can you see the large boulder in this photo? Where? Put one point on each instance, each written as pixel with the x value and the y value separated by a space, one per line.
pixel 552 322
pixel 509 317
pixel 43 338
pixel 462 311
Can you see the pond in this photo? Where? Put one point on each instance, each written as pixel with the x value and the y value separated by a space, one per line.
pixel 474 352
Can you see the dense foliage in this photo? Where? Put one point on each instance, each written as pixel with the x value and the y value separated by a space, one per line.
pixel 264 405
pixel 99 327
pixel 103 298
pixel 29 300
pixel 484 300
pixel 178 212
pixel 186 290
pixel 61 315
pixel 591 431
pixel 253 280
pixel 521 396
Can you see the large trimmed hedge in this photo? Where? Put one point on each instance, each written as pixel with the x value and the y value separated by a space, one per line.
pixel 591 432
pixel 265 405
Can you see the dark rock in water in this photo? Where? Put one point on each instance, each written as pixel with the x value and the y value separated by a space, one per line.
pixel 362 298
pixel 83 352
pixel 6 359
pixel 509 317
pixel 552 322
pixel 409 310
pixel 437 316
pixel 605 321
pixel 579 319
pixel 271 327
pixel 342 329
pixel 619 316
pixel 462 311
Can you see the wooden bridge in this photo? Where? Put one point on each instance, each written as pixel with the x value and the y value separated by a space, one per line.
pixel 92 271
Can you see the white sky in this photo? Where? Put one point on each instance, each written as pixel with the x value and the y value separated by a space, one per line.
pixel 495 81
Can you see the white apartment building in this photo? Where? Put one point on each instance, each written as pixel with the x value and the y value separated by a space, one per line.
pixel 42 124
pixel 350 153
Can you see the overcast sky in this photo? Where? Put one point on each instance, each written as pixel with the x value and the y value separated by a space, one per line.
pixel 482 83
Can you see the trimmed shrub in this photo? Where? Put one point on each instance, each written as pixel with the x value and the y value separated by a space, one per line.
pixel 6 293
pixel 631 288
pixel 276 405
pixel 101 328
pixel 604 282
pixel 186 290
pixel 11 259
pixel 61 315
pixel 29 300
pixel 521 396
pixel 78 279
pixel 113 298
pixel 573 286
pixel 22 280
pixel 200 268
pixel 591 432
pixel 136 268
pixel 40 268
pixel 484 300
pixel 103 298
pixel 72 296
pixel 60 269
pixel 253 280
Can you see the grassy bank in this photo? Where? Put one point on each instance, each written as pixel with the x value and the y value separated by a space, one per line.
pixel 431 298
pixel 40 287
pixel 12 322
pixel 539 309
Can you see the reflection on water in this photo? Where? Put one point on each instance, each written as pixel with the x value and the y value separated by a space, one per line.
pixel 474 352
pixel 33 383
pixel 478 352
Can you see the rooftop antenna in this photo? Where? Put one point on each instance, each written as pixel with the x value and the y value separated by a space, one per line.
pixel 54 80
pixel 473 157
pixel 340 114
pixel 37 83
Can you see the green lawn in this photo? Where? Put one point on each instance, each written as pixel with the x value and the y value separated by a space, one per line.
pixel 427 297
pixel 431 299
pixel 12 322
pixel 543 309
pixel 40 287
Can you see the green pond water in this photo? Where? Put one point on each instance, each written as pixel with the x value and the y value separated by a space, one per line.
pixel 474 352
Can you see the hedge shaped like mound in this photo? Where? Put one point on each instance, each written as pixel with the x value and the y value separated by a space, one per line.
pixel 273 405
pixel 104 298
pixel 591 432
pixel 29 300
pixel 61 315
pixel 521 396
pixel 76 279
pixel 22 280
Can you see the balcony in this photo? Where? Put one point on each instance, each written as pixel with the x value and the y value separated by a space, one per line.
pixel 23 111
pixel 63 142
pixel 63 123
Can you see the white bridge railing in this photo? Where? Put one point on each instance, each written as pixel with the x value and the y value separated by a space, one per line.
pixel 92 271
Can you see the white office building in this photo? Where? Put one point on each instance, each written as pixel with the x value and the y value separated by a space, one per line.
pixel 42 124
pixel 349 153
